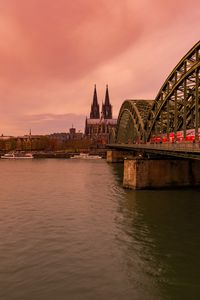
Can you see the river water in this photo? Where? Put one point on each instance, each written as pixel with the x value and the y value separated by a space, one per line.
pixel 68 230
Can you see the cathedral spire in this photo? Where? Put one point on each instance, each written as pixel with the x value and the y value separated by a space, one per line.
pixel 94 113
pixel 95 101
pixel 107 107
pixel 107 99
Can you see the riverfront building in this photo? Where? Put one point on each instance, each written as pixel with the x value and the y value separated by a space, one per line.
pixel 98 125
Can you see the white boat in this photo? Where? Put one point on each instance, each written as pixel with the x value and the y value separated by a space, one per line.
pixel 14 155
pixel 85 156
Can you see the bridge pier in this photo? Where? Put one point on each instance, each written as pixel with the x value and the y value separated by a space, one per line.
pixel 114 156
pixel 160 173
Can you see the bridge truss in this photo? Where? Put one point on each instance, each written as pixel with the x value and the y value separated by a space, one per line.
pixel 175 108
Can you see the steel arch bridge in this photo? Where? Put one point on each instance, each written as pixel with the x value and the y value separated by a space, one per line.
pixel 175 108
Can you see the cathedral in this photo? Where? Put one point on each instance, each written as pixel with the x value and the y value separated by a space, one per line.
pixel 98 126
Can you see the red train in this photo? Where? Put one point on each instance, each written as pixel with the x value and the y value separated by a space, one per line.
pixel 162 138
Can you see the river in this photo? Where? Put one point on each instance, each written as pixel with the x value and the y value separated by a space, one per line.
pixel 68 230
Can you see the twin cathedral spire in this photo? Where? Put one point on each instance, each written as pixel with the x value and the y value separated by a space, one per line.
pixel 98 126
pixel 106 112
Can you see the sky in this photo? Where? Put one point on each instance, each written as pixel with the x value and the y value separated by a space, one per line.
pixel 53 52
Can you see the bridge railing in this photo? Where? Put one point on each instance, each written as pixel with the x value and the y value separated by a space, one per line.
pixel 180 146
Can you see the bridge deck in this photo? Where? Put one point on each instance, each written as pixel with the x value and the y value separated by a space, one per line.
pixel 185 150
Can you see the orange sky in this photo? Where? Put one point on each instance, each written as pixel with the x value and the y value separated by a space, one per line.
pixel 53 52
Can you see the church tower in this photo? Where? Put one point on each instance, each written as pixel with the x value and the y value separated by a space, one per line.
pixel 96 127
pixel 94 113
pixel 107 107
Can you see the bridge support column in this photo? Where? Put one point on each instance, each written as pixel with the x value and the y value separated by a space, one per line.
pixel 145 173
pixel 115 156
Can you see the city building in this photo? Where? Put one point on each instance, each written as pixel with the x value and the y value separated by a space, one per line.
pixel 98 126
pixel 66 136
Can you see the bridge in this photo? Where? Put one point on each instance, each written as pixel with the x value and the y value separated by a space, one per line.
pixel 169 125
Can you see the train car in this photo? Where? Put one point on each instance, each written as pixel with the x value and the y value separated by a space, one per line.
pixel 162 138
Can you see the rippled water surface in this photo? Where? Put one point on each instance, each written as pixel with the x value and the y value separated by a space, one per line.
pixel 68 230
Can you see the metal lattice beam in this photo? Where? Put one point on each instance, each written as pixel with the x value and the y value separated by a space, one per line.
pixel 176 107
pixel 131 120
pixel 179 97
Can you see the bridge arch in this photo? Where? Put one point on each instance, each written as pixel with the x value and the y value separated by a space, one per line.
pixel 176 107
pixel 131 121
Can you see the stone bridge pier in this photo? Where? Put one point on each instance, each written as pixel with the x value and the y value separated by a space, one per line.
pixel 115 156
pixel 143 173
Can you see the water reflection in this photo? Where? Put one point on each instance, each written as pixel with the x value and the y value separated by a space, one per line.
pixel 159 234
pixel 70 231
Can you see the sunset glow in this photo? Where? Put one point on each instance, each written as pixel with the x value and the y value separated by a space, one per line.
pixel 53 52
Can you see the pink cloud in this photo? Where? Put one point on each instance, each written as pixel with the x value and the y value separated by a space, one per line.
pixel 65 39
pixel 58 39
pixel 52 53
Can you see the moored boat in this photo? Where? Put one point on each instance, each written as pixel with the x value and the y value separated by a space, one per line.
pixel 86 156
pixel 14 155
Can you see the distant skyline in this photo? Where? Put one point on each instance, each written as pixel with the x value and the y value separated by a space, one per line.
pixel 53 52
